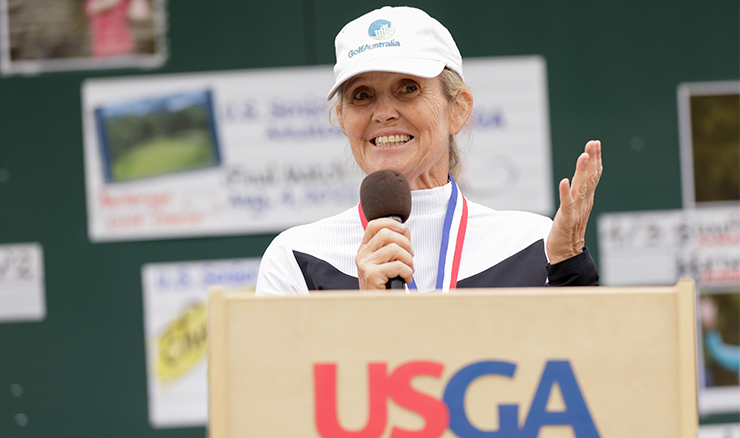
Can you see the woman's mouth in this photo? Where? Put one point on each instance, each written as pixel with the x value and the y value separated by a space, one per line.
pixel 391 140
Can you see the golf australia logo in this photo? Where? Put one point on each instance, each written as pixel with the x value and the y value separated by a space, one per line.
pixel 381 30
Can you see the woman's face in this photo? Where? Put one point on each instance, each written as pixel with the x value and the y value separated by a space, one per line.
pixel 400 122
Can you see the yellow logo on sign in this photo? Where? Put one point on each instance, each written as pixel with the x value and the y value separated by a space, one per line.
pixel 183 344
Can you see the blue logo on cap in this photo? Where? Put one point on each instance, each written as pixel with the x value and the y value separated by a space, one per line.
pixel 381 30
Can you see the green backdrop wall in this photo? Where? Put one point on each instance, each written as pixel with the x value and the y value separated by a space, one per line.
pixel 613 70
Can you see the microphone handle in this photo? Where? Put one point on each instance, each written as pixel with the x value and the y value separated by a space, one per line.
pixel 396 283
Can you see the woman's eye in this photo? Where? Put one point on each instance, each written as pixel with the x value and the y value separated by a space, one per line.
pixel 409 88
pixel 361 95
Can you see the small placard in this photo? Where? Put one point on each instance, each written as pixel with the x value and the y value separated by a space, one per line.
pixel 22 291
pixel 175 296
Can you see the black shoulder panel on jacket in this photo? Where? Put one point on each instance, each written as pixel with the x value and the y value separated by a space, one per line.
pixel 524 269
pixel 321 275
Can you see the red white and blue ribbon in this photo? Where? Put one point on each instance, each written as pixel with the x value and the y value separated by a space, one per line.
pixel 453 237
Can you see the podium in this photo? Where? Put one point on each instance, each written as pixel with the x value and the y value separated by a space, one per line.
pixel 522 362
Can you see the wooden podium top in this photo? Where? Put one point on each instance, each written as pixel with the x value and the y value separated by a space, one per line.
pixel 544 362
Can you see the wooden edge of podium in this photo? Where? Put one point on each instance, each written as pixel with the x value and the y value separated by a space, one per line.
pixel 217 378
pixel 518 291
pixel 687 371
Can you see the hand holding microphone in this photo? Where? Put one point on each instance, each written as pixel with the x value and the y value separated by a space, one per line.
pixel 385 258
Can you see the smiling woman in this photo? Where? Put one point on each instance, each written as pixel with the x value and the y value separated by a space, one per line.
pixel 397 121
pixel 400 102
pixel 452 87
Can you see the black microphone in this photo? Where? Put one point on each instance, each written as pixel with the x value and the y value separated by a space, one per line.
pixel 386 193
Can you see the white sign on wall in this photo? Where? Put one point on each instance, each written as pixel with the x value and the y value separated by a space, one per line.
pixel 253 151
pixel 508 163
pixel 658 248
pixel 719 431
pixel 175 297
pixel 22 287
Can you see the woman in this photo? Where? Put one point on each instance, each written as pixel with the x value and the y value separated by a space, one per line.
pixel 400 100
pixel 109 25
pixel 725 355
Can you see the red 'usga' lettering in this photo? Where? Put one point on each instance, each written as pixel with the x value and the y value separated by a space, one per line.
pixel 397 386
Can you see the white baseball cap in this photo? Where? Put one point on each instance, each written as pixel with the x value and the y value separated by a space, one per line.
pixel 394 39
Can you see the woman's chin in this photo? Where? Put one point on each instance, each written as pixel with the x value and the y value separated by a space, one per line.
pixel 402 167
pixel 390 158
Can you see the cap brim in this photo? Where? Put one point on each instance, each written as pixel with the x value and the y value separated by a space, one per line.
pixel 423 68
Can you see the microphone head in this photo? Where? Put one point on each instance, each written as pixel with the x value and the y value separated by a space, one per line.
pixel 385 193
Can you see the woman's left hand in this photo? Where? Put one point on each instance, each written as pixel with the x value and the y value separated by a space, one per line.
pixel 568 234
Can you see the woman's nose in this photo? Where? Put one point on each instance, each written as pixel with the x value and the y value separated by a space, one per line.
pixel 385 110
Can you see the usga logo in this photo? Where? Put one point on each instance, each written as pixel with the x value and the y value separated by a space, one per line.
pixel 381 30
pixel 449 412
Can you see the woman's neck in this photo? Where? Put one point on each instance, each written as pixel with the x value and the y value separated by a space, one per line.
pixel 429 181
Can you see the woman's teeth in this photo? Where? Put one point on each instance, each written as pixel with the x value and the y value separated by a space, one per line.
pixel 392 140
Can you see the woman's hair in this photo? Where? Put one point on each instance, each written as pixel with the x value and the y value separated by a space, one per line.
pixel 452 85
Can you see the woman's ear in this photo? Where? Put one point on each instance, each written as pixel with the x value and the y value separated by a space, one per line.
pixel 462 107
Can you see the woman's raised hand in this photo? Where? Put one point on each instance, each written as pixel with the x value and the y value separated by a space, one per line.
pixel 568 234
pixel 385 253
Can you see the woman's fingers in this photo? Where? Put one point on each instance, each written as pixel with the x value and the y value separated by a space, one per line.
pixel 568 233
pixel 380 232
pixel 596 152
pixel 385 253
pixel 563 241
pixel 376 276
pixel 580 177
pixel 566 200
pixel 595 168
pixel 586 178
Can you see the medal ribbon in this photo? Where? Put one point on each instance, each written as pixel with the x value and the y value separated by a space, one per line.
pixel 453 237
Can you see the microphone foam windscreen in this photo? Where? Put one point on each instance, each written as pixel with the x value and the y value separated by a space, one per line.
pixel 385 193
